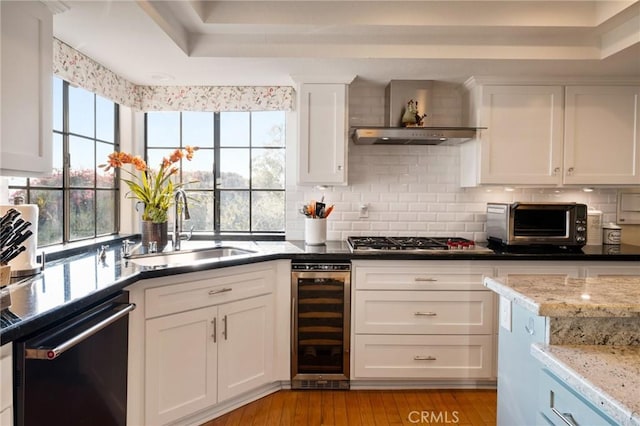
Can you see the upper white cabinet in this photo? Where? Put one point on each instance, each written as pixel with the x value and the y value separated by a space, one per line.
pixel 323 133
pixel 523 140
pixel 553 135
pixel 602 131
pixel 25 88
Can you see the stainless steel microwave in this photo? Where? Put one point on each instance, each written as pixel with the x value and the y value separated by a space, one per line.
pixel 521 224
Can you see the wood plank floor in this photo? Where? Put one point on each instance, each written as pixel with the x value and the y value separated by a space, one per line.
pixel 366 408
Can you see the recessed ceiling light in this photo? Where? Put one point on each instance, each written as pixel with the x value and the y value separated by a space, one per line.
pixel 587 189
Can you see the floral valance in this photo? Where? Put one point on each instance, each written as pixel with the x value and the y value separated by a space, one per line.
pixel 84 72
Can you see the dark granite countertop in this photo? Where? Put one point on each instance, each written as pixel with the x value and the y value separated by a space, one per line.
pixel 71 284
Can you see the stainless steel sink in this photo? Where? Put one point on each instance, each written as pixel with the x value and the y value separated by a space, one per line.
pixel 187 256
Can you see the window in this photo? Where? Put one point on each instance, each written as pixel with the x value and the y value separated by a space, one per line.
pixel 235 181
pixel 78 200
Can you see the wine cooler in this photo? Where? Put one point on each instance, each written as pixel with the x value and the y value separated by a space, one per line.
pixel 321 295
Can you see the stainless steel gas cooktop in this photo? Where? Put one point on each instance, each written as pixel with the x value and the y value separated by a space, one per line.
pixel 413 244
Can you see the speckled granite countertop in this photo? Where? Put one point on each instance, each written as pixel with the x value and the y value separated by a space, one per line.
pixel 561 296
pixel 609 376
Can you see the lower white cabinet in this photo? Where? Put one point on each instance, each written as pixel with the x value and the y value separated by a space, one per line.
pixel 6 385
pixel 208 342
pixel 422 320
pixel 198 358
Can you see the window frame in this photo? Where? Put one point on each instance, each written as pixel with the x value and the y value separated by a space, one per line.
pixel 217 190
pixel 29 187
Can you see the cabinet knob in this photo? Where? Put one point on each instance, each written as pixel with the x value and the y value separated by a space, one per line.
pixel 570 171
pixel 556 171
pixel 340 168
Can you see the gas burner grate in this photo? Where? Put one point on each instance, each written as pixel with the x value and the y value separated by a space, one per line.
pixel 406 243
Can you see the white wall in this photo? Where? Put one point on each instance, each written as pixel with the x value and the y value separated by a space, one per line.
pixel 414 190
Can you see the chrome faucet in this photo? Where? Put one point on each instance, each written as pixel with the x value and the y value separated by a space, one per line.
pixel 179 214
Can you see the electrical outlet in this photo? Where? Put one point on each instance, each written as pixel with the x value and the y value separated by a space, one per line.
pixel 364 211
pixel 505 313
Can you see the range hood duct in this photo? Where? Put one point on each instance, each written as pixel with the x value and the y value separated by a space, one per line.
pixel 398 93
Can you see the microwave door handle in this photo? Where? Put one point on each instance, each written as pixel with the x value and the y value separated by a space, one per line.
pixel 51 353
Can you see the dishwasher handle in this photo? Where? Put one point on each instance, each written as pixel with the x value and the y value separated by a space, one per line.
pixel 51 353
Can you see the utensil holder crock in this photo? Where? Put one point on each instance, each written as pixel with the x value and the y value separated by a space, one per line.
pixel 315 231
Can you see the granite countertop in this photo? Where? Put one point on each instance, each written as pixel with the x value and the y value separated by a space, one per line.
pixel 562 296
pixel 609 376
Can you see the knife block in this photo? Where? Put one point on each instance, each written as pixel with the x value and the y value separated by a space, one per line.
pixel 5 274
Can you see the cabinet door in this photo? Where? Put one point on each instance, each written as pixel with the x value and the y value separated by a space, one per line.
pixel 602 127
pixel 246 345
pixel 523 140
pixel 180 365
pixel 6 385
pixel 322 110
pixel 26 87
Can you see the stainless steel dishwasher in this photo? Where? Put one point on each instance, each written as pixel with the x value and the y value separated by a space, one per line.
pixel 321 295
pixel 75 373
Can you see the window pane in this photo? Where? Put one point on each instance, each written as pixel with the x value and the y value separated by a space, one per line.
pixel 57 104
pixel 267 169
pixel 81 213
pixel 267 128
pixel 50 215
pixel 197 129
pixel 154 158
pixel 234 128
pixel 266 211
pixel 82 166
pixel 81 112
pixel 104 179
pixel 234 168
pixel 105 207
pixel 17 181
pixel 163 129
pixel 55 178
pixel 234 211
pixel 201 211
pixel 199 169
pixel 105 119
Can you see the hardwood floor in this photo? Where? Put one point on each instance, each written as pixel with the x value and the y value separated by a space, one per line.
pixel 366 408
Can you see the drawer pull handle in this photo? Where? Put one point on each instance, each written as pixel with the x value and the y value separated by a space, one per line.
pixel 567 418
pixel 214 322
pixel 425 314
pixel 222 290
pixel 224 332
pixel 530 327
pixel 425 279
pixel 424 358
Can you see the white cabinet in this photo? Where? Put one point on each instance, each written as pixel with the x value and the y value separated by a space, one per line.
pixel 422 320
pixel 198 358
pixel 181 365
pixel 208 337
pixel 602 135
pixel 523 140
pixel 553 135
pixel 26 88
pixel 6 385
pixel 322 134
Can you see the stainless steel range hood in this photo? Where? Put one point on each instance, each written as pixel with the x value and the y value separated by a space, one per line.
pixel 438 126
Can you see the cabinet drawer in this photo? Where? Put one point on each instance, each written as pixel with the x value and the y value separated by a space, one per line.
pixel 424 312
pixel 207 292
pixel 410 277
pixel 556 399
pixel 423 356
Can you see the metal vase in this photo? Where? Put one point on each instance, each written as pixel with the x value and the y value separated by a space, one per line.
pixel 154 232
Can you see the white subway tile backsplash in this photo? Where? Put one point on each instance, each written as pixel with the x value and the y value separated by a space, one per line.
pixel 414 190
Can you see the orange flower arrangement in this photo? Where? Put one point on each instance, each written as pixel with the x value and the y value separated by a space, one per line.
pixel 154 190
